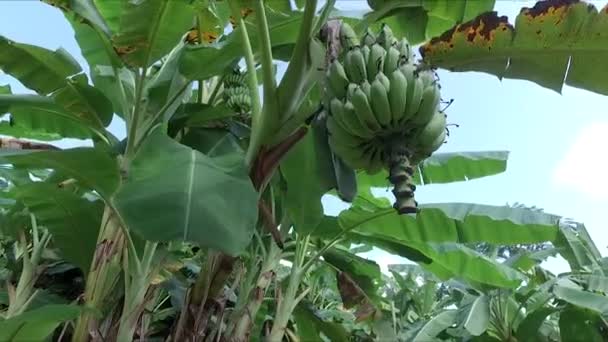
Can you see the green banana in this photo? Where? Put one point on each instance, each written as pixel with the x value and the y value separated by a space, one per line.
pixel 354 123
pixel 368 38
pixel 397 95
pixel 358 61
pixel 386 37
pixel 350 90
pixel 338 132
pixel 433 128
pixel 375 62
pixel 414 96
pixel 427 77
pixel 437 143
pixel 348 37
pixel 406 53
pixel 364 111
pixel 336 110
pixel 365 50
pixel 338 81
pixel 367 89
pixel 384 80
pixel 380 104
pixel 391 63
pixel 428 106
pixel 352 156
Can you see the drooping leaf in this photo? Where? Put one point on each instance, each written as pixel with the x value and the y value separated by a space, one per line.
pixel 17 131
pixel 309 175
pixel 573 246
pixel 439 236
pixel 84 10
pixel 418 20
pixel 310 326
pixel 37 68
pixel 72 220
pixel 579 297
pixel 92 167
pixel 197 198
pixel 37 325
pixel 553 43
pixel 366 273
pixel 478 317
pixel 528 329
pixel 142 42
pixel 84 102
pixel 447 168
pixel 166 90
pixel 429 330
pixel 43 114
pixel 576 324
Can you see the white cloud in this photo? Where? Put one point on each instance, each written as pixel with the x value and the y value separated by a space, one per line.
pixel 583 168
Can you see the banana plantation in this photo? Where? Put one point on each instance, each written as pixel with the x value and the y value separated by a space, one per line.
pixel 205 221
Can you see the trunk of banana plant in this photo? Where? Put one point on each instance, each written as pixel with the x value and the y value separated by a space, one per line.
pixel 103 275
pixel 239 327
pixel 194 317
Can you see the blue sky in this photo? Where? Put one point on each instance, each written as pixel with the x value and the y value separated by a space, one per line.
pixel 556 140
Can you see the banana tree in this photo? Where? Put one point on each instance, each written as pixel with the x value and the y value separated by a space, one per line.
pixel 178 230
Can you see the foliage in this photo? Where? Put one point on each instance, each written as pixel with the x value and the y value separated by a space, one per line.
pixel 206 222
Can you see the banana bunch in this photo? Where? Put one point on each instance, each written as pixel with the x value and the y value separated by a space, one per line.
pixel 383 109
pixel 236 94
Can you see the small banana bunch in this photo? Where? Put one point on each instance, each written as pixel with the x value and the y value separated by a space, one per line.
pixel 383 109
pixel 236 94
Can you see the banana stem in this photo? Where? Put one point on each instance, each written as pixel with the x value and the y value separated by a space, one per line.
pixel 252 83
pixel 138 274
pixel 134 118
pixel 270 119
pixel 287 303
pixel 292 83
pixel 103 274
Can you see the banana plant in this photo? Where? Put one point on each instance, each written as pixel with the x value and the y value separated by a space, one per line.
pixel 179 230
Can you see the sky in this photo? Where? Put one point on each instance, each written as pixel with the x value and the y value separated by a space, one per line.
pixel 556 141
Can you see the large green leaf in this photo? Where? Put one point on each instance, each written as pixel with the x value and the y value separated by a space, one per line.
pixel 36 325
pixel 37 68
pixel 310 327
pixel 447 168
pixel 553 43
pixel 150 29
pixel 194 197
pixel 576 324
pixel 366 273
pixel 84 10
pixel 478 317
pixel 74 221
pixel 43 114
pixel 92 167
pixel 309 175
pixel 439 231
pixel 575 295
pixel 429 330
pixel 421 19
pixel 573 245
pixel 166 88
pixel 84 102
pixel 107 71
pixel 528 329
